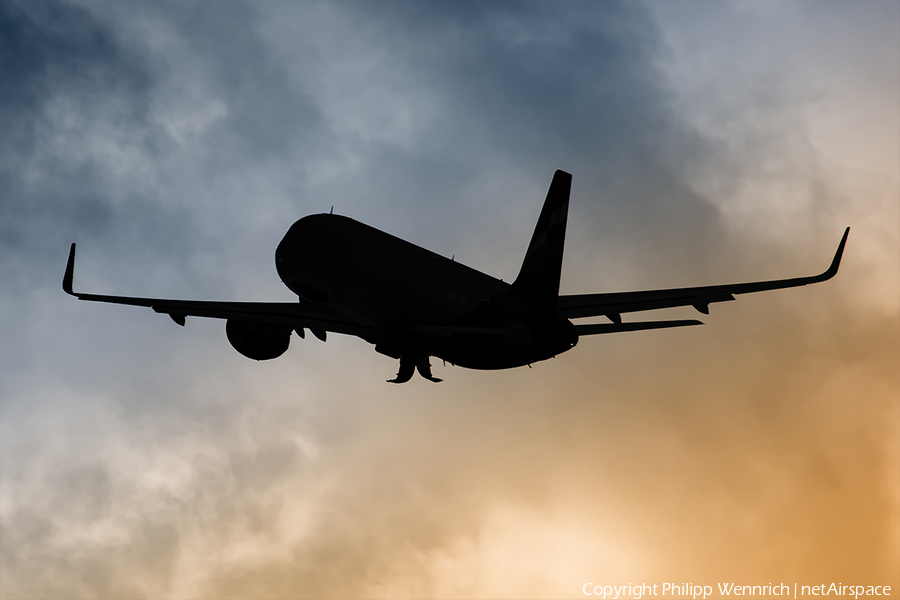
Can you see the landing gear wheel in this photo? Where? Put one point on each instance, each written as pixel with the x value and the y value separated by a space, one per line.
pixel 407 368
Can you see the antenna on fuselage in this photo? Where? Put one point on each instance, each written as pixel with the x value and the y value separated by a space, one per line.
pixel 331 212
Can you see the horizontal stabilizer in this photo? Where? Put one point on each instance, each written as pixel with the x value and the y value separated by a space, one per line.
pixel 598 328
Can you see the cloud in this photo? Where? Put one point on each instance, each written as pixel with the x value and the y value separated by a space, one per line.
pixel 177 142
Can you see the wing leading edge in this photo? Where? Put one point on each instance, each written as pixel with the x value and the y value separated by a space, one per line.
pixel 613 304
pixel 291 314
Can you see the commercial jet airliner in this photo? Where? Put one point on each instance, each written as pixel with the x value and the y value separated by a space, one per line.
pixel 412 304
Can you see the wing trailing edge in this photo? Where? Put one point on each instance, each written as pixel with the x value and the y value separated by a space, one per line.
pixel 293 314
pixel 613 304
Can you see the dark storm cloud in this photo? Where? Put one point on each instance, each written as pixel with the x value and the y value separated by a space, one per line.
pixel 496 97
pixel 95 146
pixel 129 130
pixel 266 118
pixel 48 51
pixel 534 87
pixel 536 82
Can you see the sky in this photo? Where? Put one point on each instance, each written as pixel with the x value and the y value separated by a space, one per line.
pixel 709 143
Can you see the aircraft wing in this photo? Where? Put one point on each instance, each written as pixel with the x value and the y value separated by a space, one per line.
pixel 293 314
pixel 613 304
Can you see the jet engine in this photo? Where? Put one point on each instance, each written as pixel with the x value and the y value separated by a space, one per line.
pixel 259 341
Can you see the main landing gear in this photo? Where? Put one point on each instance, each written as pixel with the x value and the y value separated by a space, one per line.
pixel 411 362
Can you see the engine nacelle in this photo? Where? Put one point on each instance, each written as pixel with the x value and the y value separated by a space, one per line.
pixel 259 341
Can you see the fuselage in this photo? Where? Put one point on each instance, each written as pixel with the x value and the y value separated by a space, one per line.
pixel 415 299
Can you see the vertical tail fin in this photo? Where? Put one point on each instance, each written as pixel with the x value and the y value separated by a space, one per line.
pixel 538 279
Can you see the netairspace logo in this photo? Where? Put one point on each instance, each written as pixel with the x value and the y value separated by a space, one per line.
pixel 690 590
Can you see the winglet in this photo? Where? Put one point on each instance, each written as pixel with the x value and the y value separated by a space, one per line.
pixel 70 272
pixel 836 262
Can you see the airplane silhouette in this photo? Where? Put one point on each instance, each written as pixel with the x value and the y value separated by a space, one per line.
pixel 413 304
